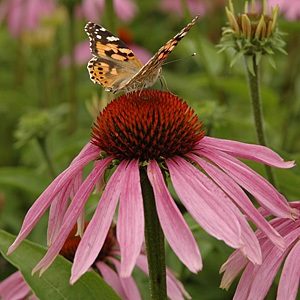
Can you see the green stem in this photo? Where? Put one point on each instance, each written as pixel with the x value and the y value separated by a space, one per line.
pixel 255 96
pixel 154 239
pixel 42 144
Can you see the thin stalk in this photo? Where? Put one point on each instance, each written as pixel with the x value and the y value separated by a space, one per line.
pixel 255 96
pixel 154 239
pixel 42 144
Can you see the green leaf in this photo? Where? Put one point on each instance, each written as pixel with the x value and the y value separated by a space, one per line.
pixel 249 62
pixel 54 283
pixel 237 56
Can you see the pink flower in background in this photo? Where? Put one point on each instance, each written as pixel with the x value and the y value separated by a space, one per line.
pixel 91 10
pixel 155 129
pixel 82 54
pixel 256 280
pixel 194 6
pixel 15 287
pixel 290 8
pixel 25 15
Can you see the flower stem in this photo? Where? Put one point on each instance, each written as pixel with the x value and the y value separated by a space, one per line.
pixel 42 144
pixel 255 96
pixel 154 239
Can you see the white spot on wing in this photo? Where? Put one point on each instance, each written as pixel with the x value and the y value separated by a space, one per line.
pixel 98 36
pixel 112 38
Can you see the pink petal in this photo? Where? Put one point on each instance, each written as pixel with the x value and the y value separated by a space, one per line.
pixel 290 276
pixel 72 214
pixel 128 284
pixel 264 275
pixel 57 212
pixel 232 267
pixel 172 222
pixel 42 203
pixel 130 226
pixel 96 232
pixel 248 151
pixel 255 184
pixel 14 287
pixel 234 191
pixel 197 193
pixel 111 277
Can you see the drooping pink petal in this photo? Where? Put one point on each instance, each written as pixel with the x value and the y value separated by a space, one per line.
pixel 43 202
pixel 57 212
pixel 251 248
pixel 234 191
pixel 14 287
pixel 290 276
pixel 248 151
pixel 197 193
pixel 130 226
pixel 131 290
pixel 172 222
pixel 264 275
pixel 60 204
pixel 175 289
pixel 96 232
pixel 111 277
pixel 232 267
pixel 72 214
pixel 255 184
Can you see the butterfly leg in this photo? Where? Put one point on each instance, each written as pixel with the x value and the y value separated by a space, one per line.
pixel 162 79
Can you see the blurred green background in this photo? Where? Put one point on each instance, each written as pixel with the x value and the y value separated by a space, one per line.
pixel 48 103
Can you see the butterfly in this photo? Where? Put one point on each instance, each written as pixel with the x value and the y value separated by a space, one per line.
pixel 116 67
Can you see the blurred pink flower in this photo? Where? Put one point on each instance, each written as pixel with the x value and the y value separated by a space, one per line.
pixel 14 287
pixel 290 8
pixel 153 128
pixel 256 280
pixel 194 6
pixel 91 10
pixel 25 15
pixel 82 54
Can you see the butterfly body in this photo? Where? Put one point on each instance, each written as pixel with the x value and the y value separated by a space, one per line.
pixel 116 67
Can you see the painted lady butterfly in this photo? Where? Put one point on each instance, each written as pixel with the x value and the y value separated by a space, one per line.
pixel 116 67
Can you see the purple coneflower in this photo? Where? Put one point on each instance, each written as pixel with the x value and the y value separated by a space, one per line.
pixel 257 279
pixel 92 9
pixel 159 133
pixel 15 287
pixel 25 15
pixel 290 8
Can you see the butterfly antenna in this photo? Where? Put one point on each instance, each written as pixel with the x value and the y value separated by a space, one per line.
pixel 179 59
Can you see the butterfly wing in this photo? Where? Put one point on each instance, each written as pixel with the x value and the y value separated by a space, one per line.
pixel 113 63
pixel 150 72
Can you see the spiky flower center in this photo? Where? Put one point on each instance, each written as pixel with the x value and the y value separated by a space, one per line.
pixel 71 244
pixel 147 125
